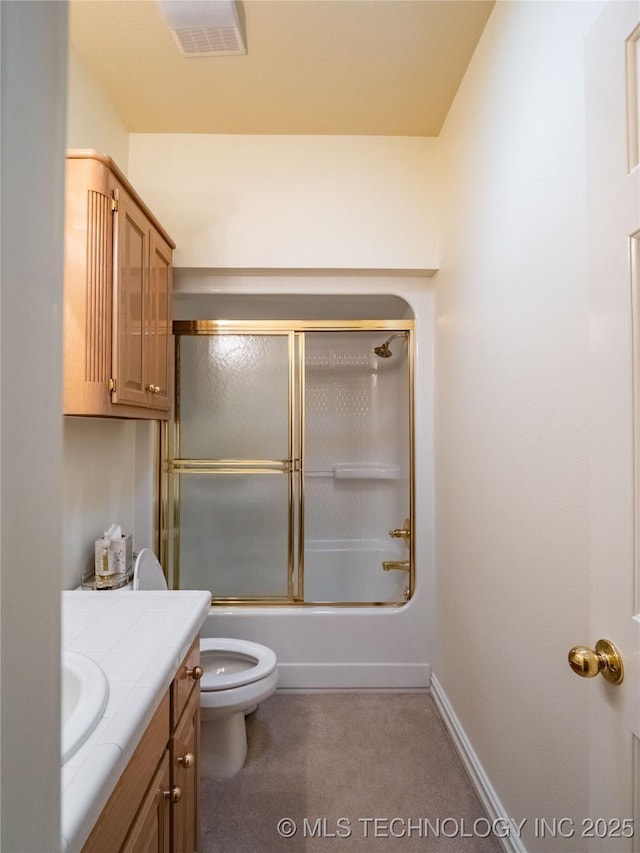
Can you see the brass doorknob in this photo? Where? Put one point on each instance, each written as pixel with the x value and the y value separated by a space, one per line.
pixel 196 673
pixel 605 659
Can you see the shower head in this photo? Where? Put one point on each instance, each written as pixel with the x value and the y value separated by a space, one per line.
pixel 383 350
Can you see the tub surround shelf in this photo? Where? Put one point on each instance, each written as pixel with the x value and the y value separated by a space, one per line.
pixel 348 471
pixel 139 641
pixel 345 471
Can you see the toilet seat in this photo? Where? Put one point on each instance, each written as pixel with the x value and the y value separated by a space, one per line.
pixel 230 663
pixel 147 572
pixel 227 663
pixel 237 676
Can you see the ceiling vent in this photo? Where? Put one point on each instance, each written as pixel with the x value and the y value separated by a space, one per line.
pixel 205 27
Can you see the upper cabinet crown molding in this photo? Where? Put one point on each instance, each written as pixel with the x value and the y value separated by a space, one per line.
pixel 118 281
pixel 92 154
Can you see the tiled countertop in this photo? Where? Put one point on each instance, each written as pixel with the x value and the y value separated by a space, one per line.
pixel 139 640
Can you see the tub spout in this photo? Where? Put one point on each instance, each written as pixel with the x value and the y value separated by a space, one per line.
pixel 402 565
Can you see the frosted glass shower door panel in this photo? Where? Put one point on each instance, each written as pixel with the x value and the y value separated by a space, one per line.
pixel 234 534
pixel 357 480
pixel 234 396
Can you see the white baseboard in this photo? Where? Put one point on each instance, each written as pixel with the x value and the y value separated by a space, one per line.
pixel 353 676
pixel 490 800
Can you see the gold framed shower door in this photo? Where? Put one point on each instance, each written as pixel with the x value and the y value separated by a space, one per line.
pixel 174 466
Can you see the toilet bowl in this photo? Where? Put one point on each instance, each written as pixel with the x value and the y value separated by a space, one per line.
pixel 237 675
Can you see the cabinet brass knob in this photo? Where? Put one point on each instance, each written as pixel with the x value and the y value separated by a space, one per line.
pixel 605 659
pixel 174 794
pixel 187 760
pixel 196 673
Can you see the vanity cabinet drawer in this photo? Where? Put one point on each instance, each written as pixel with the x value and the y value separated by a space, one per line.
pixel 187 679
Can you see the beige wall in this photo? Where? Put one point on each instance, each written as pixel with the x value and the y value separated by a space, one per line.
pixel 108 470
pixel 109 473
pixel 318 202
pixel 512 355
pixel 92 120
pixel 268 202
pixel 511 410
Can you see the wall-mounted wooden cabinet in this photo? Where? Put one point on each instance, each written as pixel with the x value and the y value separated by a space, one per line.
pixel 117 311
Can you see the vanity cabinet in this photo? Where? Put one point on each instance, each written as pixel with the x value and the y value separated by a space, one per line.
pixel 117 296
pixel 154 806
pixel 151 829
pixel 185 749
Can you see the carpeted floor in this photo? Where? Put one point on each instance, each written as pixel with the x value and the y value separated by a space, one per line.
pixel 349 772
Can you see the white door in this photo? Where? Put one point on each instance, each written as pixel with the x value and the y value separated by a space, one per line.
pixel 612 57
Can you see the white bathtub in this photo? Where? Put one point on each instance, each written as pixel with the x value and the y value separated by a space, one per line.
pixel 339 570
pixel 323 646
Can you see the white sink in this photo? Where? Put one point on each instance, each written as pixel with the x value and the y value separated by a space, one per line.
pixel 85 691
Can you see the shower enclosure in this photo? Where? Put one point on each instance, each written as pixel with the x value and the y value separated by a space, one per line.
pixel 289 475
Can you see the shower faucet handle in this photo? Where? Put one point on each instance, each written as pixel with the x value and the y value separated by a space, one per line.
pixel 403 532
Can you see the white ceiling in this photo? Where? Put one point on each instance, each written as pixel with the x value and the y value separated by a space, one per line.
pixel 372 67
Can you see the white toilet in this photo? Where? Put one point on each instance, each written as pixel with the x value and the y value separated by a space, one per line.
pixel 237 676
